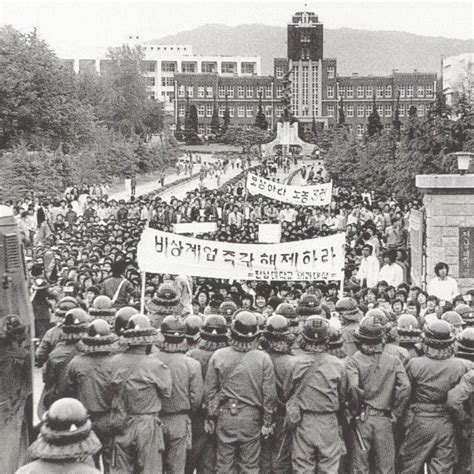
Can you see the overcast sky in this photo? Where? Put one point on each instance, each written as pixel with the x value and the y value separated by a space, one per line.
pixel 71 27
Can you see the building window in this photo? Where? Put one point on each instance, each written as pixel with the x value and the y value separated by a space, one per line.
pixel 420 91
pixel 421 110
pixel 387 127
pixel 209 68
pixel 230 92
pixel 201 129
pixel 231 111
pixel 229 68
pixel 249 111
pixel 330 92
pixel 279 72
pixel 401 110
pixel 200 92
pixel 188 67
pixel 168 66
pixel 268 92
pixel 241 92
pixel 401 90
pixel 247 68
pixel 388 111
pixel 209 92
pixel 351 130
pixel 150 81
pixel 379 91
pixel 388 92
pixel 209 110
pixel 249 92
pixel 181 110
pixel 429 90
pixel 279 110
pixel 331 72
pixel 360 111
pixel 402 127
pixel 151 95
pixel 181 91
pixel 350 92
pixel 350 111
pixel 360 129
pixel 200 110
pixel 268 111
pixel 149 66
pixel 305 38
pixel 360 92
pixel 304 54
pixel 330 110
pixel 221 110
pixel 241 111
pixel 409 91
pixel 222 92
pixel 279 92
pixel 342 91
pixel 380 110
pixel 208 130
pixel 260 91
pixel 369 92
pixel 167 81
pixel 190 91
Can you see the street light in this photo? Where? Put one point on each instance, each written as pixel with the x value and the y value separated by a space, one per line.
pixel 464 160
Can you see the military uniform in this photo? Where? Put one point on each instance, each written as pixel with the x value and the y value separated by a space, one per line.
pixel 317 387
pixel 139 383
pixel 349 315
pixel 88 378
pixel 378 391
pixel 240 395
pixel 409 335
pixel 65 443
pixel 186 394
pixel 431 435
pixel 202 456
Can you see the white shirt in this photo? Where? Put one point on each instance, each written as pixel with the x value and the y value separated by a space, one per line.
pixel 369 269
pixel 392 274
pixel 445 289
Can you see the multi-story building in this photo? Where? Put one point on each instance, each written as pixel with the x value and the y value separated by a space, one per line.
pixel 358 93
pixel 239 93
pixel 458 78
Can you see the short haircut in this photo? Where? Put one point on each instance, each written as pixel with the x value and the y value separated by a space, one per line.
pixel 368 246
pixel 439 266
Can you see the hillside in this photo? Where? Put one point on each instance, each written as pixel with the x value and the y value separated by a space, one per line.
pixel 362 51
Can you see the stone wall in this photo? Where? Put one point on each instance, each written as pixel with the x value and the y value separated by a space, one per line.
pixel 449 204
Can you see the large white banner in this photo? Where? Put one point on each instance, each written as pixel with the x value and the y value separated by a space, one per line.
pixel 195 227
pixel 269 233
pixel 313 259
pixel 315 195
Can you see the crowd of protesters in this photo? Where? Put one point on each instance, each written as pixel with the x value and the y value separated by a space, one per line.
pixel 365 375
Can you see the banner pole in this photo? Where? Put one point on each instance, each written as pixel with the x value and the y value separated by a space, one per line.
pixel 142 295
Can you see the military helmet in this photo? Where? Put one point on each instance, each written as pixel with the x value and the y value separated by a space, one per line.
pixel 274 301
pixel 309 305
pixel 64 305
pixel 276 328
pixel 408 329
pixel 139 331
pixel 192 325
pixel 465 346
pixel 75 321
pixel 289 312
pixel 122 317
pixel 438 334
pixel 453 318
pixel 348 309
pixel 99 338
pixel 245 326
pixel 371 328
pixel 228 309
pixel 315 330
pixel 102 302
pixel 466 313
pixel 214 328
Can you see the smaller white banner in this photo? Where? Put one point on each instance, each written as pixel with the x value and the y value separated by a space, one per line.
pixel 269 233
pixel 195 228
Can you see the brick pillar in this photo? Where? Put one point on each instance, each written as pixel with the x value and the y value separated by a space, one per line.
pixel 449 204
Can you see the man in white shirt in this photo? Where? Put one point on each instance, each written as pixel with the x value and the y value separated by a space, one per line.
pixel 369 268
pixel 443 286
pixel 391 272
pixel 287 214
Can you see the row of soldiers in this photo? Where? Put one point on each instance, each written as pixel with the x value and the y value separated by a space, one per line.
pixel 295 393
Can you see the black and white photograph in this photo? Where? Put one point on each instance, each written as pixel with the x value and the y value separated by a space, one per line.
pixel 236 237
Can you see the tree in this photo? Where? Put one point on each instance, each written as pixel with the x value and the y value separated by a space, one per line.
pixel 153 119
pixel 245 138
pixel 226 116
pixel 215 125
pixel 260 119
pixel 341 116
pixel 375 124
pixel 396 118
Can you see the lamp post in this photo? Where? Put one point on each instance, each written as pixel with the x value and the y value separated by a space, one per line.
pixel 464 160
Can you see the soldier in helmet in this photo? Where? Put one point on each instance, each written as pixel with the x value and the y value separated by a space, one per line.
pixel 240 395
pixel 186 393
pixel 316 389
pixel 453 318
pixel 228 309
pixel 289 312
pixel 349 315
pixel 73 329
pixel 431 434
pixel 87 377
pixel 192 326
pixel 276 449
pixel 122 317
pixel 335 343
pixel 409 334
pixel 102 308
pixel 53 335
pixel 213 336
pixel 65 442
pixel 377 392
pixel 139 383
pixel 308 305
pixel 466 313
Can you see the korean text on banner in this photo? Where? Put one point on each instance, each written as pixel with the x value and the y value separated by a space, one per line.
pixel 317 195
pixel 313 259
